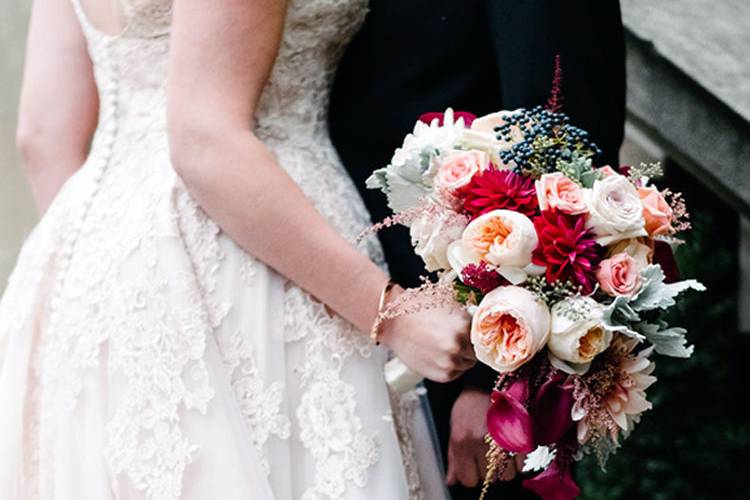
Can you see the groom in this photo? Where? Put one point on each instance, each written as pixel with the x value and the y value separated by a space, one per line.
pixel 418 56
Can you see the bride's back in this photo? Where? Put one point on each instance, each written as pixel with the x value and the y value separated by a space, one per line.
pixel 115 18
pixel 129 46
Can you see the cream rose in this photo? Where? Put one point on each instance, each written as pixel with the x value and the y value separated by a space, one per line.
pixel 577 334
pixel 509 327
pixel 640 252
pixel 431 234
pixel 619 275
pixel 458 167
pixel 656 212
pixel 557 192
pixel 615 210
pixel 501 238
pixel 481 135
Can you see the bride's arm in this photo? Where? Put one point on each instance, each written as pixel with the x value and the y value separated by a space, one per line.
pixel 59 102
pixel 222 53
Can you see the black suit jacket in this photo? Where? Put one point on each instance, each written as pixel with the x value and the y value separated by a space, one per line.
pixel 417 56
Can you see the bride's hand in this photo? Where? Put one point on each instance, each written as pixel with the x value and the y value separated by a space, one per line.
pixel 434 343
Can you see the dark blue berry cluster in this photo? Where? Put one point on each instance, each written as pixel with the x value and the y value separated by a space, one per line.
pixel 548 138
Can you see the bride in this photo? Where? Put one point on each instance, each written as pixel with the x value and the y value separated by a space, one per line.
pixel 190 319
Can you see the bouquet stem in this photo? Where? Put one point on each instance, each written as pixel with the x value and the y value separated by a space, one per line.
pixel 400 377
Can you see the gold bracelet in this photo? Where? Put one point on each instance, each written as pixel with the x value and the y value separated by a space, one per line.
pixel 375 331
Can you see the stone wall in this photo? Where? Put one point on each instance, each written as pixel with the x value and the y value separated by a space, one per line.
pixel 17 214
pixel 689 92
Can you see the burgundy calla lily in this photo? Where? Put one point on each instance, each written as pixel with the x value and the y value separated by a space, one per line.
pixel 508 420
pixel 553 484
pixel 552 411
pixel 664 256
pixel 468 117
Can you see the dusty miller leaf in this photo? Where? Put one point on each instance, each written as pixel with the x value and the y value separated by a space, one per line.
pixel 655 294
pixel 667 341
pixel 618 316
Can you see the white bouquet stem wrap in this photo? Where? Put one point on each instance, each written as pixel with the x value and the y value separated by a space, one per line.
pixel 399 377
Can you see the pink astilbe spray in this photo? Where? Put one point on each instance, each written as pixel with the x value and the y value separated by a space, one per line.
pixel 424 209
pixel 681 217
pixel 555 101
pixel 423 298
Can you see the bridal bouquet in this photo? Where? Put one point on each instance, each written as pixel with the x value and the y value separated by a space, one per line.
pixel 565 268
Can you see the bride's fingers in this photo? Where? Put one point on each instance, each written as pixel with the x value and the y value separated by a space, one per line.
pixel 465 343
pixel 467 352
pixel 464 364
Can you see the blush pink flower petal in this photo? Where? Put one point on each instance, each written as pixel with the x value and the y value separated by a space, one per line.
pixel 619 275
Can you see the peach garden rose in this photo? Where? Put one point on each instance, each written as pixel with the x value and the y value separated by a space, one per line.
pixel 509 327
pixel 656 212
pixel 501 238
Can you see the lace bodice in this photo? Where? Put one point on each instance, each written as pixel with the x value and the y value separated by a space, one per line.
pixel 296 95
pixel 131 73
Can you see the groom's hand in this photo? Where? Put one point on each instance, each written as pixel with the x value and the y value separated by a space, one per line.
pixel 467 461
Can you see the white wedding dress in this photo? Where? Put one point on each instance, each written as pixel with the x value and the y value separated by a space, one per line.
pixel 144 355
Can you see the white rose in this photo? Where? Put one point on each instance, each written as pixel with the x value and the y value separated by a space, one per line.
pixel 640 252
pixel 431 234
pixel 615 210
pixel 501 238
pixel 481 135
pixel 488 124
pixel 577 334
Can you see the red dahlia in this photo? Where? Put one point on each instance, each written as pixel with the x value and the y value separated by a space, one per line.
pixel 500 189
pixel 567 249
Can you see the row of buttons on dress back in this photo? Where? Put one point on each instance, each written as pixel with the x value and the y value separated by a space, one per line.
pixel 102 150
